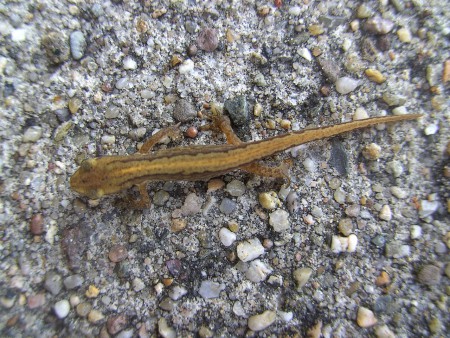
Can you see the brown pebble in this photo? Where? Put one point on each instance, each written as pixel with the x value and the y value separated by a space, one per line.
pixel 429 275
pixel 446 72
pixel 325 90
pixel 115 324
pixel 175 60
pixel 192 132
pixel 118 253
pixel 215 184
pixel 167 281
pixel 207 40
pixel 36 301
pixel 107 87
pixel 12 321
pixel 263 11
pixel 141 26
pixel 178 224
pixel 383 279
pixel 83 309
pixel 37 224
pixel 192 50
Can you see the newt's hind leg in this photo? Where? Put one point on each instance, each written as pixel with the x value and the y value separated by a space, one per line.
pixel 171 131
pixel 222 123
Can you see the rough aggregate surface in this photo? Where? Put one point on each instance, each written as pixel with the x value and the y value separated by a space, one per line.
pixel 80 79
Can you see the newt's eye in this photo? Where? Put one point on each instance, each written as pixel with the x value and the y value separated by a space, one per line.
pixel 87 165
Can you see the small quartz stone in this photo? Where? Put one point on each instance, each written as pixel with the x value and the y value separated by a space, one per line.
pixel 208 40
pixel 165 330
pixel 249 250
pixel 345 85
pixel 261 321
pixel 302 276
pixel 415 231
pixel 258 271
pixel 227 237
pixel 365 317
pixel 235 188
pixel 186 67
pixel 32 134
pixel 378 25
pixel 95 316
pixel 385 213
pixel 209 289
pixel 404 35
pixel 62 308
pixel 279 220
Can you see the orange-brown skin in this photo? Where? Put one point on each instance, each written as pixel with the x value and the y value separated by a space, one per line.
pixel 111 174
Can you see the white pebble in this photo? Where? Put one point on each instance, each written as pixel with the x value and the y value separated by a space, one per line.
pixel 279 220
pixel 346 44
pixel 383 331
pixel 77 44
pixel 129 63
pixel 365 317
pixel 165 330
pixel 177 292
pixel 62 308
pixel 415 231
pixel 310 165
pixel 32 134
pixel 238 309
pixel 352 243
pixel 226 237
pixel 249 249
pixel 123 83
pixel 400 110
pixel 258 271
pixel 186 67
pixel 431 129
pixel 427 208
pixel 209 289
pixel 261 321
pixel 360 114
pixel 286 316
pixel 305 53
pixel 302 276
pixel 345 85
pixel 18 35
pixel 339 244
pixel 295 10
pixel 398 192
pixel 108 139
pixel 236 188
pixel 385 213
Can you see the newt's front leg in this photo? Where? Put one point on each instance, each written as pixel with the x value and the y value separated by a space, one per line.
pixel 144 201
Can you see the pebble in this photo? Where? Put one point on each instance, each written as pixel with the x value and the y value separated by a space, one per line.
pixel 261 321
pixel 36 301
pixel 363 12
pixel 372 152
pixel 375 76
pixel 192 205
pixel 378 25
pixel 83 309
pixel 138 284
pixel 365 317
pixel 238 109
pixel 129 63
pixel 360 114
pixel 344 244
pixel 431 129
pixel 147 94
pixel 345 226
pixel 177 292
pixel 427 208
pixel 238 309
pixel 32 134
pixel 92 291
pixel 235 188
pixel 305 53
pixel 429 275
pixel 339 195
pixel 415 231
pixel 396 249
pixel 345 85
pixel 95 316
pixel 167 304
pixel 404 35
pixel 210 289
pixel 77 44
pixel 112 112
pixel 385 213
pixel 401 110
pixel 295 10
pixel 260 80
pixel 398 192
pixel 395 168
pixel 353 210
pixel 394 99
pixel 165 330
pixel 258 271
pixel 117 253
pixel 207 40
pixel 310 165
pixel 249 250
pixel 279 220
pixel 74 105
pixel 53 283
pixel 302 276
pixel 186 67
pixel 18 35
pixel 227 206
pixel 161 197
pixel 37 224
pixel 72 282
pixel 56 47
pixel 184 111
pixel 269 200
pixel 383 331
pixel 62 308
pixel 227 237
pixel 123 83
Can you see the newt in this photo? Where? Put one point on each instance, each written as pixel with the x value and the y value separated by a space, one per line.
pixel 108 175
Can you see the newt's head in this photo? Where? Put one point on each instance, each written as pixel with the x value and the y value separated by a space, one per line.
pixel 85 180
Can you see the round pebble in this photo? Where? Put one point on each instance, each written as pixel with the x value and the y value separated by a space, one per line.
pixel 117 323
pixel 279 220
pixel 83 309
pixel 62 308
pixel 123 83
pixel 235 188
pixel 345 85
pixel 184 111
pixel 400 111
pixel 32 134
pixel 249 250
pixel 404 35
pixel 339 196
pixel 165 330
pixel 429 275
pixel 227 237
pixel 209 289
pixel 365 317
pixel 77 44
pixel 345 226
pixel 360 114
pixel 53 283
pixel 398 192
pixel 161 197
pixel 227 206
pixel 72 282
pixel 37 224
pixel 261 321
pixel 385 213
pixel 186 67
pixel 207 40
pixel 118 253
